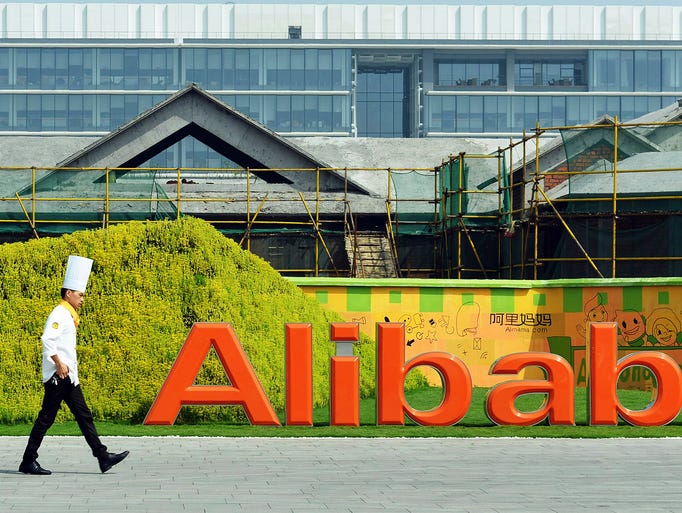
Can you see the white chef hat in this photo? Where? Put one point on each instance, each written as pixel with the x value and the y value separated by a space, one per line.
pixel 77 273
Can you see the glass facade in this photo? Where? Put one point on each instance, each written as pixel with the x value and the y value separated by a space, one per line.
pixel 105 112
pixel 239 69
pixel 383 109
pixel 71 112
pixel 77 87
pixel 89 68
pixel 259 69
pixel 566 88
pixel 295 113
pixel 97 89
pixel 475 113
pixel 636 70
pixel 310 87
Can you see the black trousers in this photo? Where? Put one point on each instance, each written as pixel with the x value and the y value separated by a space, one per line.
pixel 56 391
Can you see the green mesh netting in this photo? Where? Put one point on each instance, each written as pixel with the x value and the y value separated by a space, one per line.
pixel 412 204
pixel 471 210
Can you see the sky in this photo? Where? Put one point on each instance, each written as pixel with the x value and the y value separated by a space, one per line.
pixel 394 2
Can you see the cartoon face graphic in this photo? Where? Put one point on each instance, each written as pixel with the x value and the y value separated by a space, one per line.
pixel 664 332
pixel 595 311
pixel 663 327
pixel 598 314
pixel 631 327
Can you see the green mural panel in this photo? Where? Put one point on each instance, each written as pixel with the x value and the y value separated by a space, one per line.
pixel 359 299
pixel 395 297
pixel 322 297
pixel 467 299
pixel 561 345
pixel 632 298
pixel 573 300
pixel 501 300
pixel 431 299
pixel 539 299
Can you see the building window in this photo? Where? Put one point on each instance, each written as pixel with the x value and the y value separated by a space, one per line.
pixel 382 109
pixel 295 113
pixel 121 68
pixel 647 70
pixel 549 72
pixel 294 32
pixel 5 68
pixel 497 113
pixel 473 73
pixel 671 70
pixel 259 69
pixel 636 70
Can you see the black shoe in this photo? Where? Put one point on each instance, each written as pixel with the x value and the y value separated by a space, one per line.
pixel 33 467
pixel 110 459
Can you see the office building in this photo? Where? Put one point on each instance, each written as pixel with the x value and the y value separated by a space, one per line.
pixel 331 69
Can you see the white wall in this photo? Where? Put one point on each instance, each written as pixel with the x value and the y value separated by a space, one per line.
pixel 340 21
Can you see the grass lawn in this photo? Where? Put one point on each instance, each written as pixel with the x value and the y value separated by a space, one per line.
pixel 474 424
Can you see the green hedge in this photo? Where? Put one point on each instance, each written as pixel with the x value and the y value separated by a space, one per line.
pixel 150 282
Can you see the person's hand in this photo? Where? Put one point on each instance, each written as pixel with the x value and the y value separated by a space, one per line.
pixel 62 370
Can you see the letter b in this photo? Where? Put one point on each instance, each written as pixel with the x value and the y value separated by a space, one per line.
pixel 604 406
pixel 391 373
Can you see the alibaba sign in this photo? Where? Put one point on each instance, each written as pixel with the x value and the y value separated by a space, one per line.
pixel 245 390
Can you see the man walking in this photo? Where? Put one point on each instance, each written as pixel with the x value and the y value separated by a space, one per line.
pixel 60 373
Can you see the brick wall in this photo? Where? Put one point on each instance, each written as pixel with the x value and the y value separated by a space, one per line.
pixel 580 163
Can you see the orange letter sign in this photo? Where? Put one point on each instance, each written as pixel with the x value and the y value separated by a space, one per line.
pixel 299 374
pixel 604 405
pixel 391 372
pixel 344 405
pixel 179 389
pixel 559 405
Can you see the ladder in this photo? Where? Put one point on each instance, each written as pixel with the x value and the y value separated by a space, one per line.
pixel 371 255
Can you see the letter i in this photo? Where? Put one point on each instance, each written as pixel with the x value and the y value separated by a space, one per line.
pixel 345 376
pixel 299 374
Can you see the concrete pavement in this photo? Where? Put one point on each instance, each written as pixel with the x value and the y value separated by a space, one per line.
pixel 482 475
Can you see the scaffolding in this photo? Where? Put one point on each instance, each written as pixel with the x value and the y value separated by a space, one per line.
pixel 301 232
pixel 609 209
pixel 474 199
pixel 600 200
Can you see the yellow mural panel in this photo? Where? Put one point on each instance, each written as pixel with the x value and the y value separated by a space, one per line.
pixel 480 321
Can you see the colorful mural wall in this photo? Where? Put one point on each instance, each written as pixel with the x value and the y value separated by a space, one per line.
pixel 482 320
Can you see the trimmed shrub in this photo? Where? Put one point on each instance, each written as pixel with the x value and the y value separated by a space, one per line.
pixel 150 282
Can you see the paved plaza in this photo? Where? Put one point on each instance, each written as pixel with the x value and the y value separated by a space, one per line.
pixel 482 475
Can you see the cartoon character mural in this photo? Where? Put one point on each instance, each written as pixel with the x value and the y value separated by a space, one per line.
pixel 595 311
pixel 631 328
pixel 663 328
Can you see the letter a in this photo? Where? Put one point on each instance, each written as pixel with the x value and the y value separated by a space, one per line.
pixel 558 388
pixel 179 390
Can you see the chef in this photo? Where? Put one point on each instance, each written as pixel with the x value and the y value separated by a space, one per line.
pixel 60 373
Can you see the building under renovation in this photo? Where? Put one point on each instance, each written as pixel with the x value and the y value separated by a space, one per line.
pixel 363 139
pixel 596 200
